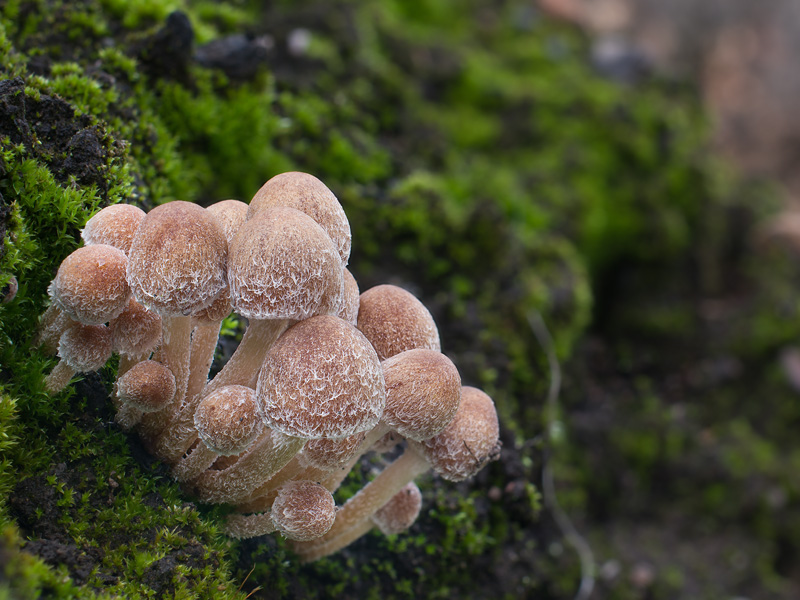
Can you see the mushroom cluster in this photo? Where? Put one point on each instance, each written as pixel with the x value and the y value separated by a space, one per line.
pixel 322 375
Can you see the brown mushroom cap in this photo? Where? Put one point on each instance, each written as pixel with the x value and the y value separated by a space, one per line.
pixel 215 312
pixel 394 320
pixel 303 510
pixel 136 330
pixel 282 265
pixel 114 225
pixel 423 390
pixel 177 262
pixel 148 386
pixel 350 299
pixel 90 285
pixel 321 379
pixel 230 214
pixel 400 512
pixel 227 420
pixel 330 455
pixel 469 441
pixel 307 194
pixel 85 348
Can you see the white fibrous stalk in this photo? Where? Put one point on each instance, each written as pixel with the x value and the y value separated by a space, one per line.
pixel 323 375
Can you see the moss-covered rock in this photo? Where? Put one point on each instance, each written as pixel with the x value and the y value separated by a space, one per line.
pixel 482 164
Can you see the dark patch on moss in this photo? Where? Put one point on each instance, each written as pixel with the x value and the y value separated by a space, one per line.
pixel 168 52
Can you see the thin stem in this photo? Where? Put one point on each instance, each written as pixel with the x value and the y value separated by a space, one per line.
pixel 564 523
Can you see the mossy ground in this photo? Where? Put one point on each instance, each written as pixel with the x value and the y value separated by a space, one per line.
pixel 486 167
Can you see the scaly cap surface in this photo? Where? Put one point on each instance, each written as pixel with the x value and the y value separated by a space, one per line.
pixel 227 420
pixel 114 225
pixel 321 379
pixel 303 511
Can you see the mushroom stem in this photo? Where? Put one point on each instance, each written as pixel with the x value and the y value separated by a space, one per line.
pixel 199 458
pixel 59 377
pixel 54 323
pixel 248 526
pixel 364 504
pixel 268 455
pixel 204 344
pixel 315 551
pixel 242 368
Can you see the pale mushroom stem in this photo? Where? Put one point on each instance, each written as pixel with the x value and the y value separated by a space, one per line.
pixel 59 377
pixel 127 416
pixel 179 433
pixel 367 501
pixel 247 526
pixel 261 498
pixel 199 458
pixel 54 323
pixel 268 455
pixel 242 368
pixel 321 550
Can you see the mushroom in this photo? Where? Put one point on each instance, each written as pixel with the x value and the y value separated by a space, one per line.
pixel 136 332
pixel 82 349
pixel 230 214
pixel 396 516
pixel 282 268
pixel 302 511
pixel 177 266
pixel 114 225
pixel 394 320
pixel 321 379
pixel 309 195
pixel 350 299
pixel 146 387
pixel 461 450
pixel 227 422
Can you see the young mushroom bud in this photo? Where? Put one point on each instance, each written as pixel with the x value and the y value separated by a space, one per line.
pixel 114 225
pixel 147 387
pixel 90 285
pixel 82 349
pixel 309 195
pixel 136 332
pixel 394 320
pixel 303 510
pixel 227 422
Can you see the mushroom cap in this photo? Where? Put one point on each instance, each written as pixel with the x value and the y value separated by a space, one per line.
pixel 303 510
pixel 282 265
pixel 148 386
pixel 115 225
pixel 400 512
pixel 215 312
pixel 350 299
pixel 330 455
pixel 321 379
pixel 177 262
pixel 136 330
pixel 394 320
pixel 230 214
pixel 423 390
pixel 227 419
pixel 468 442
pixel 85 348
pixel 307 194
pixel 90 285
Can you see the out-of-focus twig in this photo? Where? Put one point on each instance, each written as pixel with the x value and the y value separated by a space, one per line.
pixel 571 535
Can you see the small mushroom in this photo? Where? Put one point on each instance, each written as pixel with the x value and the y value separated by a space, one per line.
pixel 147 387
pixel 136 332
pixel 394 320
pixel 350 299
pixel 227 422
pixel 82 349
